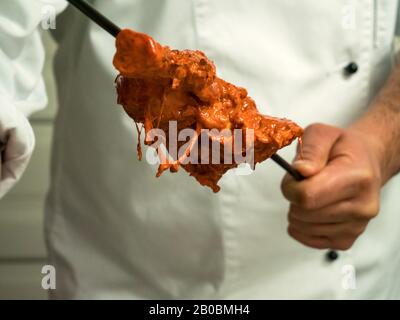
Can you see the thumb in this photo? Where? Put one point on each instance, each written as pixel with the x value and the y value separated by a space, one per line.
pixel 313 153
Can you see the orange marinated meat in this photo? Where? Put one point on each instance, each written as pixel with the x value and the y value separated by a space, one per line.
pixel 157 85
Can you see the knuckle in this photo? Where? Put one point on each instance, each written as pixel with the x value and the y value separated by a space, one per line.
pixel 365 180
pixel 373 208
pixel 356 231
pixel 343 244
pixel 367 210
pixel 317 127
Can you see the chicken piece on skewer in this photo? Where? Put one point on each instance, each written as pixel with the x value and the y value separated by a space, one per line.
pixel 157 85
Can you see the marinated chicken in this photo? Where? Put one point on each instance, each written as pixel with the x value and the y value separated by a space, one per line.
pixel 158 86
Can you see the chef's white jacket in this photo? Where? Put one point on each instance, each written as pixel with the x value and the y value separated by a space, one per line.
pixel 115 231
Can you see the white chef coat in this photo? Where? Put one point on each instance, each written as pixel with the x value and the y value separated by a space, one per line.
pixel 115 231
pixel 21 85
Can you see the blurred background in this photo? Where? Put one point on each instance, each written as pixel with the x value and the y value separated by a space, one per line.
pixel 22 249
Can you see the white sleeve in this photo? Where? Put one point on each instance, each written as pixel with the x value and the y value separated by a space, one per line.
pixel 22 88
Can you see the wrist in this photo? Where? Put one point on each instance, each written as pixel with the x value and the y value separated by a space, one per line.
pixel 373 134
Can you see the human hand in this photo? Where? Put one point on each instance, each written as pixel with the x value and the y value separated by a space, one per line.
pixel 16 146
pixel 340 195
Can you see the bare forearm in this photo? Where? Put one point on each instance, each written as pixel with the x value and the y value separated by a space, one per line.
pixel 381 126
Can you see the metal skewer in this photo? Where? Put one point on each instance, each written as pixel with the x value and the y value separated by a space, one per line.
pixel 288 167
pixel 113 29
pixel 94 15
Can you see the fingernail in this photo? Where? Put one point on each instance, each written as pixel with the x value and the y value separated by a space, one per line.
pixel 303 164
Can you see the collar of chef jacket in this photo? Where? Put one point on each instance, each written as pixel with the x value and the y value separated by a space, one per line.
pixel 115 230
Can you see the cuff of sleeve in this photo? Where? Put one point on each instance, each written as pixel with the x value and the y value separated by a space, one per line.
pixel 17 138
